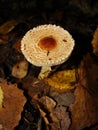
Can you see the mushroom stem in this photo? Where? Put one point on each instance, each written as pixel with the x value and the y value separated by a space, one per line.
pixel 1 97
pixel 45 70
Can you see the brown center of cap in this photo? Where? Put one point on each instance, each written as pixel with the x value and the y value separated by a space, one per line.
pixel 47 43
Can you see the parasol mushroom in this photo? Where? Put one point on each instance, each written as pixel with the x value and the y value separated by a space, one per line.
pixel 46 46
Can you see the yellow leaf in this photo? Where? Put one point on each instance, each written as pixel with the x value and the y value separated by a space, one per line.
pixel 62 80
pixel 1 97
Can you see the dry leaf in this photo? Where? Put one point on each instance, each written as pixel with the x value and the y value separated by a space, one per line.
pixel 62 80
pixel 43 114
pixel 4 52
pixel 89 74
pixel 8 26
pixel 17 45
pixel 13 103
pixel 85 108
pixel 55 122
pixel 48 103
pixel 95 42
pixel 46 109
pixel 2 74
pixel 55 117
pixel 63 116
pixel 20 69
pixel 3 39
pixel 65 99
pixel 36 88
pixel 84 111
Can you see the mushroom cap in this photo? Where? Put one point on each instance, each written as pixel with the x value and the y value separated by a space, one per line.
pixel 47 45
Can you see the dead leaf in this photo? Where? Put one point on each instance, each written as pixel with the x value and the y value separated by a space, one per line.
pixel 4 39
pixel 13 103
pixel 46 108
pixel 55 115
pixel 1 127
pixel 62 80
pixel 36 88
pixel 95 42
pixel 84 111
pixel 17 45
pixel 4 52
pixel 8 26
pixel 2 74
pixel 20 69
pixel 55 122
pixel 89 74
pixel 85 108
pixel 43 114
pixel 63 116
pixel 65 99
pixel 48 103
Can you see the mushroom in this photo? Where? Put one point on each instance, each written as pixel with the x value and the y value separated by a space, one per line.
pixel 20 69
pixel 46 46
